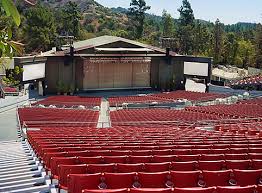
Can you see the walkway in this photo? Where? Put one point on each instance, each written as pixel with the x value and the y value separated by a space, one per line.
pixel 104 117
pixel 20 171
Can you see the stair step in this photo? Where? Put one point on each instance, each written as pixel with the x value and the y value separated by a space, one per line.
pixel 29 180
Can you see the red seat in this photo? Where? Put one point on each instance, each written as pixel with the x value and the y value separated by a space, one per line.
pixel 151 190
pixel 211 165
pixel 186 158
pixel 163 158
pixel 154 180
pixel 242 156
pixel 248 177
pixel 139 159
pixel 212 157
pixel 259 188
pixel 257 164
pixel 114 159
pixel 90 160
pixel 183 166
pixel 157 167
pixel 194 190
pixel 119 180
pixel 78 182
pixel 236 189
pixel 107 191
pixel 56 161
pixel 255 156
pixel 100 168
pixel 126 168
pixel 185 179
pixel 238 164
pixel 64 170
pixel 216 178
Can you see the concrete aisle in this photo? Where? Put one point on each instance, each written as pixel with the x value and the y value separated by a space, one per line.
pixel 104 117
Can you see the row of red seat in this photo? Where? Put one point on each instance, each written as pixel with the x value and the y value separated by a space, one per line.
pixel 70 101
pixel 158 116
pixel 165 97
pixel 234 110
pixel 253 80
pixel 33 117
pixel 248 189
pixel 79 180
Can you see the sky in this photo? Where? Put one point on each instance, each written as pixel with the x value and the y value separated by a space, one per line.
pixel 228 11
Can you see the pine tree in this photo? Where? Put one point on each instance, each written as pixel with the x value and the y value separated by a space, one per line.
pixel 218 42
pixel 137 12
pixel 258 41
pixel 186 27
pixel 168 25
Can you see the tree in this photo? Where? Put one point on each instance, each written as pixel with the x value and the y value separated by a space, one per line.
pixel 70 20
pixel 230 49
pixel 186 27
pixel 168 24
pixel 258 41
pixel 218 42
pixel 137 12
pixel 40 29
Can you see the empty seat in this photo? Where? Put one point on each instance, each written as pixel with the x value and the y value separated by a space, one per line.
pixel 100 168
pixel 185 179
pixel 78 182
pixel 163 158
pixel 194 190
pixel 216 178
pixel 212 157
pixel 56 161
pixel 151 190
pixel 114 159
pixel 242 156
pixel 126 168
pixel 238 164
pixel 211 165
pixel 64 170
pixel 248 177
pixel 139 159
pixel 119 180
pixel 236 189
pixel 157 167
pixel 125 190
pixel 183 166
pixel 90 160
pixel 257 164
pixel 186 158
pixel 154 180
pixel 255 156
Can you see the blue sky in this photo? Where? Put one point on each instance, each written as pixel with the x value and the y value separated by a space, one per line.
pixel 228 11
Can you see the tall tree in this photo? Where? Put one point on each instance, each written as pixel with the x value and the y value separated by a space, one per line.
pixel 40 29
pixel 70 20
pixel 258 41
pixel 168 25
pixel 137 12
pixel 186 27
pixel 218 42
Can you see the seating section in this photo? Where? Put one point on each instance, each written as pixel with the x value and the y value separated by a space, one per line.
pixel 135 159
pixel 168 97
pixel 249 81
pixel 160 117
pixel 70 101
pixel 37 117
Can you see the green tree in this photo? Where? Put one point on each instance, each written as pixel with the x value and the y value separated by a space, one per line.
pixel 168 25
pixel 245 53
pixel 137 13
pixel 218 42
pixel 230 49
pixel 258 41
pixel 40 28
pixel 186 27
pixel 71 20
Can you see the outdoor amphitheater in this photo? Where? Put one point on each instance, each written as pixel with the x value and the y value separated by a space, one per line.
pixel 181 142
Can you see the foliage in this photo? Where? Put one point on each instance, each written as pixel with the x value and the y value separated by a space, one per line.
pixel 218 40
pixel 13 76
pixel 137 13
pixel 258 40
pixel 168 25
pixel 40 28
